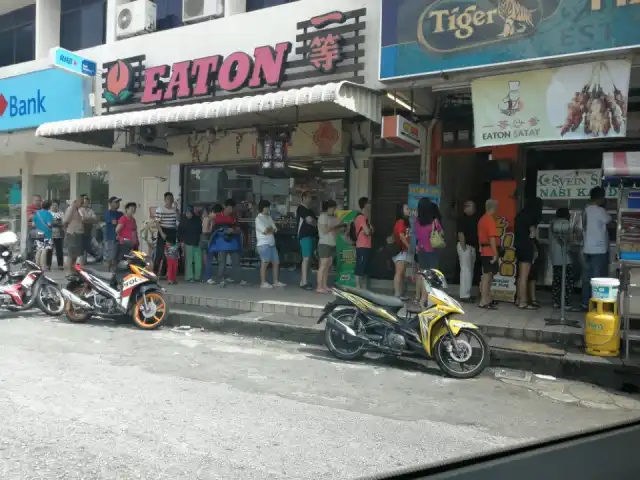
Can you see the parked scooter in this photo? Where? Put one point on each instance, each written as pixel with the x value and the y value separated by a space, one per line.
pixel 360 321
pixel 133 291
pixel 28 287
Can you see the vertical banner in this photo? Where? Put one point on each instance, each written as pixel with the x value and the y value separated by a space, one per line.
pixel 416 192
pixel 345 252
pixel 503 288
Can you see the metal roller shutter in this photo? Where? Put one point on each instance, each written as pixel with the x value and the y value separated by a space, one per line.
pixel 390 186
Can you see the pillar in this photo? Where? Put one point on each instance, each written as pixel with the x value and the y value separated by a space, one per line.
pixel 47 27
pixel 112 8
pixel 26 173
pixel 234 7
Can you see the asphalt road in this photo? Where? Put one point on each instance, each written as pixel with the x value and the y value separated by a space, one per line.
pixel 105 402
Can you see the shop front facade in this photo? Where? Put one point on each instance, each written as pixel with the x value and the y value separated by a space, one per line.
pixel 518 99
pixel 194 110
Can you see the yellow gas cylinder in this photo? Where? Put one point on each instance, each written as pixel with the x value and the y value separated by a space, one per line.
pixel 602 329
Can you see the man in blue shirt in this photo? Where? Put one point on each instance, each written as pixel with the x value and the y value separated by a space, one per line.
pixel 111 218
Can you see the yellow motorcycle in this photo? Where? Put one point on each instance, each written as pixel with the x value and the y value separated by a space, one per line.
pixel 360 321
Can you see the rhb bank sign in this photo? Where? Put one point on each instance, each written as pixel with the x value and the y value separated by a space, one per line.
pixel 27 101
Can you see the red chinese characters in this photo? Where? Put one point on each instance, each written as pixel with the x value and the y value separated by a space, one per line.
pixel 326 52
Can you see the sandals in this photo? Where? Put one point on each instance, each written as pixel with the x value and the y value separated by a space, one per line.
pixel 534 304
pixel 489 306
pixel 529 306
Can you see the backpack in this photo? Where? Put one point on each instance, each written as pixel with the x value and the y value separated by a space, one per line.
pixel 353 235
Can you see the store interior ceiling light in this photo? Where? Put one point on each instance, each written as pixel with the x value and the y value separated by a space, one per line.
pixel 298 167
pixel 401 102
pixel 333 171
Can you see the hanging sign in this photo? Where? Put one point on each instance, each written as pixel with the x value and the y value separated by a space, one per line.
pixel 72 62
pixel 402 132
pixel 575 102
pixel 570 184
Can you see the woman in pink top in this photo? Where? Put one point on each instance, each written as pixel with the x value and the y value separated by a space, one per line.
pixel 428 219
pixel 363 233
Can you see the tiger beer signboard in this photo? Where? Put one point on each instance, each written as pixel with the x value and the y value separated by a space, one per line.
pixel 421 37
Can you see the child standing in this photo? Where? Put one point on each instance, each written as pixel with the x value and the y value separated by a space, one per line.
pixel 172 254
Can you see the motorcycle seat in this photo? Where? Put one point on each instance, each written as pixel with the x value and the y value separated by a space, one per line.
pixel 106 276
pixel 380 300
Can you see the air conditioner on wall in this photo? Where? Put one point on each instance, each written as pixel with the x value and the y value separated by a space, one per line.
pixel 199 10
pixel 135 18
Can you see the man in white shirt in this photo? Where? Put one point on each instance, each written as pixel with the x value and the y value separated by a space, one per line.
pixel 596 222
pixel 266 245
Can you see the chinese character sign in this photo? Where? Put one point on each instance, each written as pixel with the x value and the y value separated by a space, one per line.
pixel 326 47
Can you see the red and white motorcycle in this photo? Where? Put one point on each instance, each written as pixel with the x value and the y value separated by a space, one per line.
pixel 29 286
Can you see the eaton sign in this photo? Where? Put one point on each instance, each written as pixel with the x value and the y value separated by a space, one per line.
pixel 27 101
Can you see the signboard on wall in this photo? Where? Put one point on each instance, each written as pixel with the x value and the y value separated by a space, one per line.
pixel 328 48
pixel 570 184
pixel 27 101
pixel 421 37
pixel 576 102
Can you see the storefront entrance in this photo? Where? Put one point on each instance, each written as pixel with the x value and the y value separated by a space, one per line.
pixel 325 179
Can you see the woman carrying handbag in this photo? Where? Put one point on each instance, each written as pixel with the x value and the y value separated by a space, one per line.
pixel 429 239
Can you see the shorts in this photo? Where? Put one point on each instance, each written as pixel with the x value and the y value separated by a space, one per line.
pixel 363 257
pixel 306 247
pixel 488 267
pixel 326 251
pixel 427 260
pixel 110 250
pixel 401 257
pixel 268 253
pixel 525 252
pixel 73 242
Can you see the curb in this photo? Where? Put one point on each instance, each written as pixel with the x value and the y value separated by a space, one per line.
pixel 288 308
pixel 570 338
pixel 611 374
pixel 251 328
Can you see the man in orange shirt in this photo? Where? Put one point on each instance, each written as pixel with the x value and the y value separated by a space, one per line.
pixel 488 239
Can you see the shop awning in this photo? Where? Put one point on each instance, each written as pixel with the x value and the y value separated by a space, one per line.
pixel 621 164
pixel 315 103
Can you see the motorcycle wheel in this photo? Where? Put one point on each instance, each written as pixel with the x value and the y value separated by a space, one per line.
pixel 442 356
pixel 29 302
pixel 154 318
pixel 330 334
pixel 51 301
pixel 73 313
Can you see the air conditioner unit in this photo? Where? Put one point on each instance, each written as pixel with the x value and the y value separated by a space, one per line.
pixel 199 10
pixel 135 18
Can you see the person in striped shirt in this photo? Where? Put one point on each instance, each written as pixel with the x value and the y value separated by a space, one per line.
pixel 167 220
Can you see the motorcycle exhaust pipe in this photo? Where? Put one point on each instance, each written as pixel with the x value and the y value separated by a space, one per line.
pixel 341 327
pixel 72 297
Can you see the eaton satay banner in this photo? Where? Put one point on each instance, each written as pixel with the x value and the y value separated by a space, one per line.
pixel 576 102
